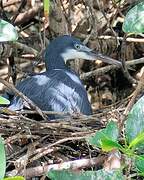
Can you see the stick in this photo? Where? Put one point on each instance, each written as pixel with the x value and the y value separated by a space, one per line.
pixel 73 165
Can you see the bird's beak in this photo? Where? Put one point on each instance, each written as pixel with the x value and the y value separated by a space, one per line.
pixel 98 56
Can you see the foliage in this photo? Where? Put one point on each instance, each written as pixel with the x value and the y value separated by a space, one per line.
pixel 139 163
pixel 135 120
pixel 7 32
pixel 134 20
pixel 134 128
pixel 129 150
pixel 14 178
pixel 2 159
pixel 4 101
pixel 106 138
pixel 85 175
pixel 135 132
pixel 46 7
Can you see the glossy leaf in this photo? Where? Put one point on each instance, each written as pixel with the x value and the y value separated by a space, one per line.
pixel 108 145
pixel 135 121
pixel 134 20
pixel 2 159
pixel 4 101
pixel 139 163
pixel 85 175
pixel 108 133
pixel 14 178
pixel 7 32
pixel 138 140
pixel 46 7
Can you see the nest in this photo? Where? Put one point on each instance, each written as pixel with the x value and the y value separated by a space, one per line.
pixel 33 145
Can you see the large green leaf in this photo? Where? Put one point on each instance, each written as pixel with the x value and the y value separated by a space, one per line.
pixel 7 32
pixel 109 133
pixel 108 145
pixel 85 175
pixel 135 121
pixel 4 101
pixel 46 6
pixel 138 140
pixel 2 159
pixel 139 163
pixel 14 178
pixel 134 20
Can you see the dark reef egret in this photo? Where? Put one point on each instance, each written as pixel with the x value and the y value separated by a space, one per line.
pixel 59 88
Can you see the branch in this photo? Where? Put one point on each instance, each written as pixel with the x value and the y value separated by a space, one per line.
pixel 73 165
pixel 25 48
pixel 105 69
pixel 27 15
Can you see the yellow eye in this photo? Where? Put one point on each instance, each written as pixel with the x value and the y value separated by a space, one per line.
pixel 77 46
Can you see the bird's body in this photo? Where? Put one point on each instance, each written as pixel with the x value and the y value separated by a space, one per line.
pixel 58 88
pixel 55 90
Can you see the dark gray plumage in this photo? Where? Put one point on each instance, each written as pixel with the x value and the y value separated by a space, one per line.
pixel 59 88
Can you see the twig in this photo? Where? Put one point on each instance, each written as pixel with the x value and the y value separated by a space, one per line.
pixel 97 72
pixel 130 104
pixel 10 2
pixel 46 112
pixel 106 37
pixel 21 151
pixel 2 12
pixel 123 57
pixel 105 69
pixel 26 16
pixel 135 94
pixel 25 48
pixel 42 151
pixel 108 22
pixel 137 40
pixel 73 165
pixel 22 5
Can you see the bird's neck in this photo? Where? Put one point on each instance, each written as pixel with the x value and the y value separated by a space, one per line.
pixel 55 62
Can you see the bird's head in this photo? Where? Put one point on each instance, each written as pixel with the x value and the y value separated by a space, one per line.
pixel 68 47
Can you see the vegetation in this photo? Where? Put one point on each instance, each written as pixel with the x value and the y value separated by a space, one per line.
pixel 110 143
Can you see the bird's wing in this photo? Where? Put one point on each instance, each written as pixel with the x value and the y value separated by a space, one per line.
pixel 58 90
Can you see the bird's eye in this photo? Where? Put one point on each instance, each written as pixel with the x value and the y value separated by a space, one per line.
pixel 77 46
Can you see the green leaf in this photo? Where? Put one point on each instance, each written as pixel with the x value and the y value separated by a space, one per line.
pixel 108 145
pixel 4 101
pixel 139 163
pixel 134 20
pixel 2 159
pixel 46 7
pixel 108 133
pixel 135 121
pixel 15 178
pixel 85 175
pixel 7 32
pixel 138 140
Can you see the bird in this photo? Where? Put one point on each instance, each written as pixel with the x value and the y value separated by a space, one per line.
pixel 59 88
